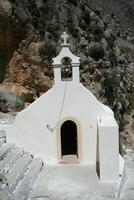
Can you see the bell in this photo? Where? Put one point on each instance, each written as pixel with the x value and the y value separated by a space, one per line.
pixel 66 68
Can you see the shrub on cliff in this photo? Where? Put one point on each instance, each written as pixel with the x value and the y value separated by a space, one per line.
pixel 47 50
pixel 19 103
pixel 97 33
pixel 96 52
pixel 112 58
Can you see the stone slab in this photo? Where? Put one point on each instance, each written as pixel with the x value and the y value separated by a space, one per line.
pixel 72 182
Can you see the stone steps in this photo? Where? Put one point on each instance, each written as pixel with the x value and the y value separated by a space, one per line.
pixel 2 141
pixel 2 134
pixel 18 172
pixel 7 163
pixel 25 187
pixel 5 149
pixel 69 159
pixel 4 195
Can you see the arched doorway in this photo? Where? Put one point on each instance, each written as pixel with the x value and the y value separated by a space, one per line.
pixel 69 137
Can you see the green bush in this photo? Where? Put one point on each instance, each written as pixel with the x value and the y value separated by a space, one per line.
pixel 110 41
pixel 82 23
pixel 34 12
pixel 131 100
pixel 19 103
pixel 86 17
pixel 112 58
pixel 72 29
pixel 109 84
pixel 9 100
pixel 52 28
pixel 96 52
pixel 97 32
pixel 74 2
pixel 47 50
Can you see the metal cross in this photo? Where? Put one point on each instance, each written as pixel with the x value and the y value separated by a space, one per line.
pixel 64 37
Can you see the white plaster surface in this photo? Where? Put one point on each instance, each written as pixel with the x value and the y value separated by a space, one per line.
pixel 72 182
pixel 65 52
pixel 108 148
pixel 30 127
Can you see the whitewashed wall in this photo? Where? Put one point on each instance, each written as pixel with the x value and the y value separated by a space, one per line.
pixel 29 129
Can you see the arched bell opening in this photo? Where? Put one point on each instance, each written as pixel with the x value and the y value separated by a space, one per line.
pixel 69 142
pixel 66 69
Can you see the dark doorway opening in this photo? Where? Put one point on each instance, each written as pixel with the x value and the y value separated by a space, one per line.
pixel 69 138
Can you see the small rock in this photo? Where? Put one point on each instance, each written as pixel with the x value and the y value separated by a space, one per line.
pixel 130 68
pixel 5 8
pixel 107 33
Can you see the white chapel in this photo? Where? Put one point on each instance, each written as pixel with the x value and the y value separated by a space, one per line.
pixel 69 120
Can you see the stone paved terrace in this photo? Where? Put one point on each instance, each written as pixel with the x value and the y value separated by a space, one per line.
pixel 71 182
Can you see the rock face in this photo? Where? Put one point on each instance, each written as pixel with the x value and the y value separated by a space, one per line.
pixel 6 36
pixel 124 10
pixel 26 78
pixel 101 34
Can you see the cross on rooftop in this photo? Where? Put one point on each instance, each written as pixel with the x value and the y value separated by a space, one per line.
pixel 64 36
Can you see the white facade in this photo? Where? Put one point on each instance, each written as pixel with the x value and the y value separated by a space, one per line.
pixel 38 128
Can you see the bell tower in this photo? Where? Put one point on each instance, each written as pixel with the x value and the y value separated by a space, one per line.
pixel 66 54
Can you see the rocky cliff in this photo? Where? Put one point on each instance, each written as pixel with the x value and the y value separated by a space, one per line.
pixel 124 10
pixel 101 34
